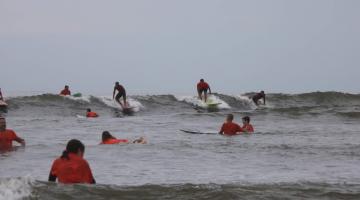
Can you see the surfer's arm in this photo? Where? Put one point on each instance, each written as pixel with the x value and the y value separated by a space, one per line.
pixel 20 140
pixel 114 93
pixel 209 90
pixel 264 100
pixel 52 178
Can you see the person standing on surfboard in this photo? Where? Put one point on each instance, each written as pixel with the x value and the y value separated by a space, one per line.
pixel 258 96
pixel 203 87
pixel 121 93
pixel 1 96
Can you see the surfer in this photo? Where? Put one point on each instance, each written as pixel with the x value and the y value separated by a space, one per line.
pixel 247 127
pixel 7 136
pixel 259 96
pixel 203 87
pixel 89 113
pixel 107 138
pixel 121 93
pixel 1 96
pixel 71 167
pixel 229 127
pixel 65 91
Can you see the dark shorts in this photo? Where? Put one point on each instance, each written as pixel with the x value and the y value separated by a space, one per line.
pixel 202 90
pixel 119 95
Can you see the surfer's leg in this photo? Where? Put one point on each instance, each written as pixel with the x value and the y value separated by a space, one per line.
pixel 205 95
pixel 199 93
pixel 124 97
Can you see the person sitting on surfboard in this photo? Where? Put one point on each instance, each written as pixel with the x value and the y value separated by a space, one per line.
pixel 121 93
pixel 89 113
pixel 229 127
pixel 258 96
pixel 7 136
pixel 71 167
pixel 203 87
pixel 65 91
pixel 247 127
pixel 107 138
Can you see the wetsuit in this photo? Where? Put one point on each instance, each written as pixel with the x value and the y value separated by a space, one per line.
pixel 121 92
pixel 257 97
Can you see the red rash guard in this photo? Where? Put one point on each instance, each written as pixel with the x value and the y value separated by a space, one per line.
pixel 230 128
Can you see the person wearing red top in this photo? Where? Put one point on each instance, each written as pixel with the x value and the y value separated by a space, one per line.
pixel 247 127
pixel 65 91
pixel 7 136
pixel 89 113
pixel 203 87
pixel 121 93
pixel 71 167
pixel 107 138
pixel 229 127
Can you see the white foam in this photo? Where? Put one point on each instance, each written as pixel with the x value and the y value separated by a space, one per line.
pixel 82 98
pixel 15 188
pixel 112 103
pixel 199 103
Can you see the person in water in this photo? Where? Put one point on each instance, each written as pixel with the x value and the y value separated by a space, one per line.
pixel 121 93
pixel 259 96
pixel 203 87
pixel 229 127
pixel 107 138
pixel 71 167
pixel 247 127
pixel 89 113
pixel 7 136
pixel 65 91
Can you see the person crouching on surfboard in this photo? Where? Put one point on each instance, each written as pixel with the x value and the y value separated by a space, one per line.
pixel 203 87
pixel 229 127
pixel 258 96
pixel 121 93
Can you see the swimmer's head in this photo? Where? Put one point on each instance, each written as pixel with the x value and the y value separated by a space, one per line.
pixel 230 117
pixel 106 135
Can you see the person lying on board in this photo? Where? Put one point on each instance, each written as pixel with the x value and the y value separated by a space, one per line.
pixel 229 127
pixel 121 92
pixel 89 113
pixel 7 136
pixel 203 87
pixel 259 96
pixel 65 91
pixel 71 167
pixel 107 138
pixel 247 127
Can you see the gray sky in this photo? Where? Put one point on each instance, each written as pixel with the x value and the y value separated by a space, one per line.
pixel 166 46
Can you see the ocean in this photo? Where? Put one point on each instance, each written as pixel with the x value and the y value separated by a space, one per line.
pixel 305 146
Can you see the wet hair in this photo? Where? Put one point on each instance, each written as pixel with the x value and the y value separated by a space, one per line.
pixel 202 80
pixel 88 110
pixel 73 146
pixel 66 86
pixel 117 83
pixel 230 117
pixel 106 135
pixel 262 91
pixel 247 119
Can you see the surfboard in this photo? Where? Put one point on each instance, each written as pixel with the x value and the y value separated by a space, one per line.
pixel 196 132
pixel 77 94
pixel 80 116
pixel 128 110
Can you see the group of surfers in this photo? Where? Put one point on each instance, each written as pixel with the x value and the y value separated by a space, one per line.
pixel 71 167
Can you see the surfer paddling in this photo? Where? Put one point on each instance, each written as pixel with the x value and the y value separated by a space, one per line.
pixel 121 93
pixel 203 87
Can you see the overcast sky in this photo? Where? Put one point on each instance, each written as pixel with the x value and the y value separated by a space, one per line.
pixel 166 46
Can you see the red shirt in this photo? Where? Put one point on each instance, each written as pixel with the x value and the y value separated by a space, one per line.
pixel 65 92
pixel 248 128
pixel 203 86
pixel 230 128
pixel 115 141
pixel 6 139
pixel 74 170
pixel 91 114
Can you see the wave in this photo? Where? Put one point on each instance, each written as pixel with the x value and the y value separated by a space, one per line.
pixel 341 104
pixel 27 188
